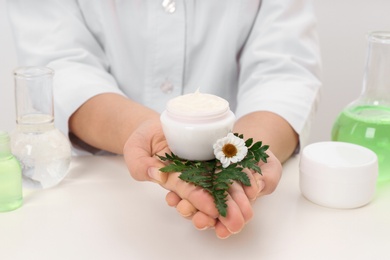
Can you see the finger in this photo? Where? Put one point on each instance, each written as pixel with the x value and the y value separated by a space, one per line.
pixel 234 220
pixel 239 196
pixel 172 199
pixel 256 184
pixel 198 197
pixel 142 165
pixel 221 231
pixel 202 221
pixel 139 153
pixel 271 174
pixel 185 208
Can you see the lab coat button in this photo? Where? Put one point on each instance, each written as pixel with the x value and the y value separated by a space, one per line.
pixel 166 87
pixel 169 6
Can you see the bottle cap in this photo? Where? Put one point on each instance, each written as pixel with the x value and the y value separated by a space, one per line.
pixel 338 174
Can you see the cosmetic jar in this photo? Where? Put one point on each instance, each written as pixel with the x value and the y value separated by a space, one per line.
pixel 192 123
pixel 338 174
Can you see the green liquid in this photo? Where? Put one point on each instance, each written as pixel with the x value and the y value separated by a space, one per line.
pixel 368 126
pixel 11 196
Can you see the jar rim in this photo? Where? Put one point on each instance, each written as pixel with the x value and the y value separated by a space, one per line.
pixel 205 114
pixel 215 112
pixel 379 37
pixel 33 71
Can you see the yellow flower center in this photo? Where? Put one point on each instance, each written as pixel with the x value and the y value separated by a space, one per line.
pixel 229 150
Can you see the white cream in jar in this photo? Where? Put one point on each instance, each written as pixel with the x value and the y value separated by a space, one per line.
pixel 192 123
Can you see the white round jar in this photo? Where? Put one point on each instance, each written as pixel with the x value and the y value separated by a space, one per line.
pixel 337 174
pixel 192 123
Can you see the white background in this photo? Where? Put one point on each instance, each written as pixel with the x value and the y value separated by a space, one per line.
pixel 343 26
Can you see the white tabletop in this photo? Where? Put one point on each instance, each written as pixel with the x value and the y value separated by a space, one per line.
pixel 100 212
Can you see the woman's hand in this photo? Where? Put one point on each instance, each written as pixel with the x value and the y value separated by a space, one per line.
pixel 139 153
pixel 240 198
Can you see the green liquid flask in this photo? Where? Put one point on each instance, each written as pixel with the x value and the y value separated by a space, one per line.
pixel 366 121
pixel 11 196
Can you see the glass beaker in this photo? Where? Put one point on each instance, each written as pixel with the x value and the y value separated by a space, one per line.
pixel 43 151
pixel 366 121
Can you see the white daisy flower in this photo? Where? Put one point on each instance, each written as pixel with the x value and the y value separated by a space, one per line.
pixel 230 149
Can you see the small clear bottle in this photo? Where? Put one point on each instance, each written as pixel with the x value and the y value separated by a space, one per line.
pixel 43 151
pixel 366 121
pixel 11 195
pixel 192 123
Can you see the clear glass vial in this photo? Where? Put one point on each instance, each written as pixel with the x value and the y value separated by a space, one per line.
pixel 11 195
pixel 43 151
pixel 192 123
pixel 366 121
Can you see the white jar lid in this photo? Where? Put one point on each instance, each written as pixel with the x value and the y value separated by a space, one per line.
pixel 338 174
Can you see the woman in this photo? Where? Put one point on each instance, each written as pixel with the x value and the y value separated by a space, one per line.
pixel 117 63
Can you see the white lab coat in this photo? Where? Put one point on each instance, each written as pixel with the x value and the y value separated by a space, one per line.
pixel 259 55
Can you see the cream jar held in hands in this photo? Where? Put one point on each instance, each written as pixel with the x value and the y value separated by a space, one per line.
pixel 192 123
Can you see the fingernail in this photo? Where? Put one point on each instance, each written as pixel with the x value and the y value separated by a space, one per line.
pixel 234 232
pixel 186 215
pixel 203 228
pixel 260 185
pixel 155 174
pixel 227 236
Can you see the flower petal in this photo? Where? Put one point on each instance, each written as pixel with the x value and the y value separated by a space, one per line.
pixel 226 159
